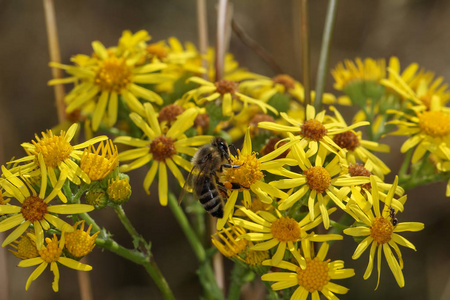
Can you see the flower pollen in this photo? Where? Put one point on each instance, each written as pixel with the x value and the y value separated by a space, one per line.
pixel 34 209
pixel 98 164
pixel 249 171
pixel 313 130
pixel 162 148
pixel 226 86
pixel 318 179
pixel 285 80
pixel 51 252
pixel 54 149
pixel 113 75
pixel 381 230
pixel 315 276
pixel 347 140
pixel 434 123
pixel 285 229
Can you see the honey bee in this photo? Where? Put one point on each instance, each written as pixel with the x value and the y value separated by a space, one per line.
pixel 394 220
pixel 208 162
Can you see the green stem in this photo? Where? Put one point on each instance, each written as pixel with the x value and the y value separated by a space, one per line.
pixel 206 273
pixel 138 257
pixel 404 167
pixel 325 53
pixel 144 258
pixel 272 294
pixel 126 222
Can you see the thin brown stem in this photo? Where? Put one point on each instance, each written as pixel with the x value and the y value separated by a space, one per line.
pixel 53 45
pixel 202 26
pixel 217 258
pixel 84 281
pixel 257 48
pixel 221 38
pixel 304 36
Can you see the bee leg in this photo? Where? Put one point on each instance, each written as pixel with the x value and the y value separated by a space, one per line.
pixel 229 166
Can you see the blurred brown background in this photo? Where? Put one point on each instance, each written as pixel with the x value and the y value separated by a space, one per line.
pixel 414 30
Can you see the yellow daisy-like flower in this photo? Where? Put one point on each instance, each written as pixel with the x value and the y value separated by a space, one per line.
pixel 51 254
pixel 226 91
pixel 132 44
pixel 162 150
pixel 429 131
pixel 274 230
pixel 25 247
pixel 79 242
pixel 57 153
pixel 108 78
pixel 312 132
pixel 226 241
pixel 357 148
pixel 250 176
pixel 322 177
pixel 381 230
pixel 35 208
pixel 98 164
pixel 349 72
pixel 422 84
pixel 312 279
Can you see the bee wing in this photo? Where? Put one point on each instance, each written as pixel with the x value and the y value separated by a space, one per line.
pixel 186 184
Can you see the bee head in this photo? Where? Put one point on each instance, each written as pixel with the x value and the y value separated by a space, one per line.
pixel 220 144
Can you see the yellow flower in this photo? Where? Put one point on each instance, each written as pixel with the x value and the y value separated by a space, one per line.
pixel 161 149
pixel 421 84
pixel 57 153
pixel 275 230
pixel 119 189
pixel 250 176
pixel 429 131
pixel 226 91
pixel 98 164
pixel 357 148
pixel 349 72
pixel 312 279
pixel 132 44
pixel 312 132
pixel 78 242
pixel 381 232
pixel 25 247
pixel 108 78
pixel 35 208
pixel 226 241
pixel 324 176
pixel 51 254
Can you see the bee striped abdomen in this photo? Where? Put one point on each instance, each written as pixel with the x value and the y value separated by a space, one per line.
pixel 209 196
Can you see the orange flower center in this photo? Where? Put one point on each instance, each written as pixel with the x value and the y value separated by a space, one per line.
pixel 285 80
pixel 226 86
pixel 285 229
pixel 318 179
pixel 359 170
pixel 162 148
pixel 170 113
pixel 113 75
pixel 347 140
pixel 315 276
pixel 381 230
pixel 54 149
pixel 434 123
pixel 313 130
pixel 34 209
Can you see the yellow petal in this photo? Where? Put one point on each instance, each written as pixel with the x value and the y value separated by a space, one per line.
pixel 162 184
pixel 38 271
pixel 73 264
